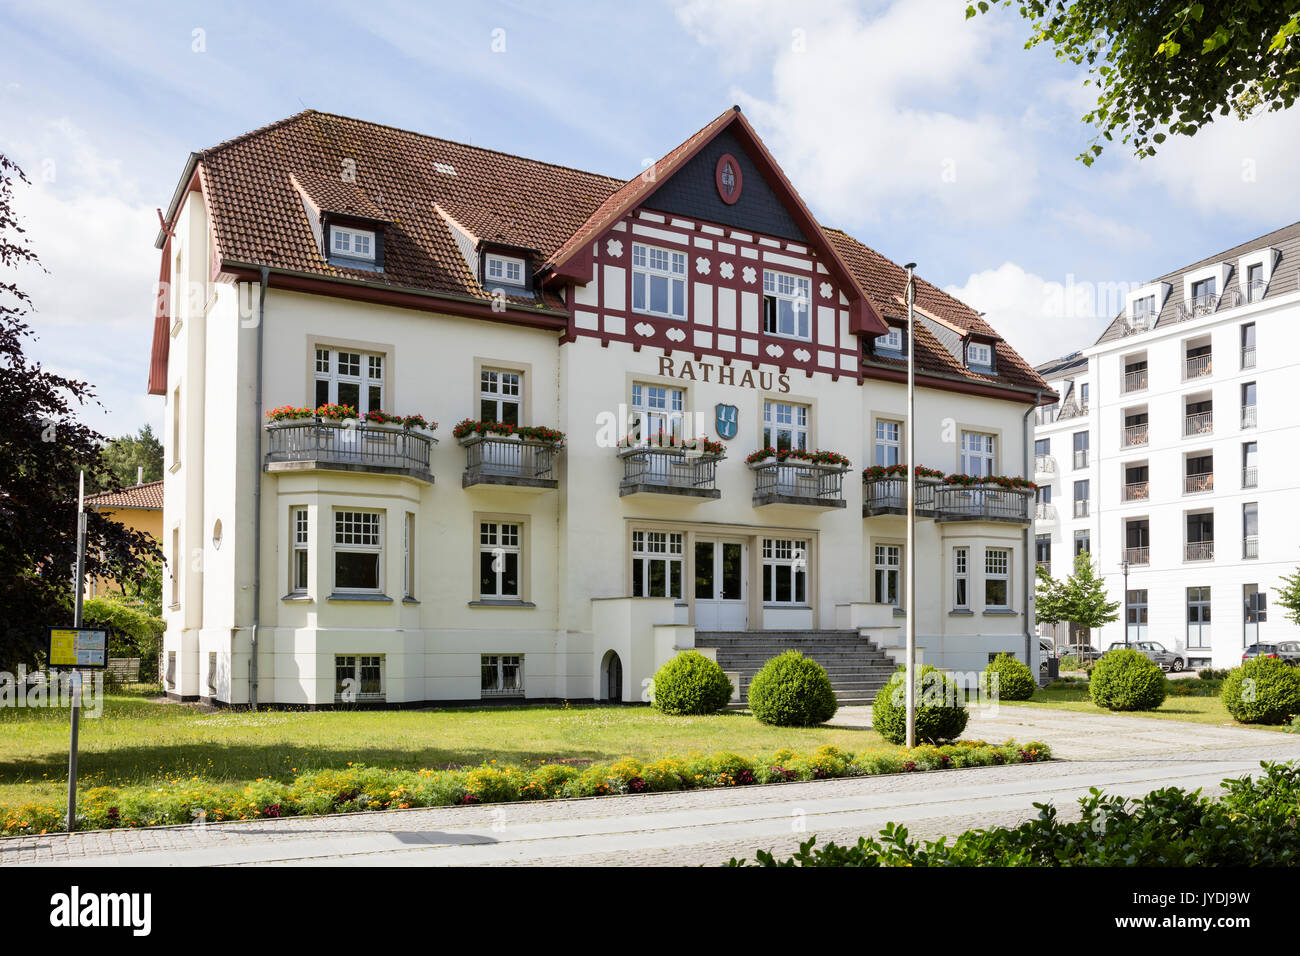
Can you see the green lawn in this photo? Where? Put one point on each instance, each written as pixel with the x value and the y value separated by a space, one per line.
pixel 1199 710
pixel 142 741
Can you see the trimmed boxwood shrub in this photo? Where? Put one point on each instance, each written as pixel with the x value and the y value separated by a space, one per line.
pixel 690 683
pixel 940 708
pixel 1015 680
pixel 1263 690
pixel 791 690
pixel 1125 680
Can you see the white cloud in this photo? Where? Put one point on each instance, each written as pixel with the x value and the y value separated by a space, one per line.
pixel 894 107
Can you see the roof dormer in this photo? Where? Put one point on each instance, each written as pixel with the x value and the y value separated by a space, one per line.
pixel 1255 272
pixel 347 226
pixel 979 352
pixel 504 268
pixel 1143 305
pixel 1202 289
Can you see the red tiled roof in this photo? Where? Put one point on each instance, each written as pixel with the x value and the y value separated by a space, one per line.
pixel 147 496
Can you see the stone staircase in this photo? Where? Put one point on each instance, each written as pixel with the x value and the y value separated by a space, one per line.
pixel 857 667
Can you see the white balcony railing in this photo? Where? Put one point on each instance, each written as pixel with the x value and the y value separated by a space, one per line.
pixel 1248 416
pixel 1081 508
pixel 1137 491
pixel 1250 477
pixel 1248 356
pixel 1198 423
pixel 1137 555
pixel 1136 380
pixel 1250 546
pixel 1197 366
pixel 1198 484
pixel 1044 465
pixel 1081 458
pixel 1135 435
pixel 1198 551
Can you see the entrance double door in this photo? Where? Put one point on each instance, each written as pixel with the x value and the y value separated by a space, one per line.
pixel 721 591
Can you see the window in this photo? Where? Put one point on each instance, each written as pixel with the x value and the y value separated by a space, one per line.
pixel 300 529
pixel 1248 345
pixel 1042 447
pixel 1083 395
pixel 997 579
pixel 1249 466
pixel 1198 617
pixel 1043 550
pixel 961 579
pixel 1082 543
pixel 352 243
pixel 785 425
pixel 977 454
pixel 499 396
pixel 891 342
pixel 176 567
pixel 350 378
pixel 889 442
pixel 171 669
pixel 1203 292
pixel 1137 615
pixel 1250 529
pixel 505 270
pixel 888 567
pixel 785 571
pixel 1080 449
pixel 979 354
pixel 212 671
pixel 358 677
pixel 1143 310
pixel 408 557
pixel 786 305
pixel 499 553
pixel 176 426
pixel 1081 499
pixel 1249 417
pixel 657 564
pixel 658 281
pixel 502 675
pixel 358 543
pixel 1255 282
pixel 657 411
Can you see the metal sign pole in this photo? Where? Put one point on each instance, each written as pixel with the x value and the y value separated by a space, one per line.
pixel 76 674
pixel 911 512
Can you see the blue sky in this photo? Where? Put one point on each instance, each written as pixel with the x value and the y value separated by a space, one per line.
pixel 927 136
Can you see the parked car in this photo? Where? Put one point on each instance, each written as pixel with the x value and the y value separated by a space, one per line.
pixel 1084 654
pixel 1288 651
pixel 1169 662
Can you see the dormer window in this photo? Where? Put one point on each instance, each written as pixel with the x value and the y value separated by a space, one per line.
pixel 979 355
pixel 349 243
pixel 1143 309
pixel 504 270
pixel 893 342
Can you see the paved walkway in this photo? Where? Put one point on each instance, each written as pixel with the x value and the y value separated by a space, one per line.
pixel 1127 755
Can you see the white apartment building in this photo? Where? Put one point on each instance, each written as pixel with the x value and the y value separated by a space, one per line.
pixel 1191 431
pixel 318 556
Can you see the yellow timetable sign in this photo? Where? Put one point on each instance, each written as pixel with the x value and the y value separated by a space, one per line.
pixel 73 647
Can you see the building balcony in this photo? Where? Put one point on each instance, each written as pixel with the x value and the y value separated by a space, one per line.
pixel 1072 410
pixel 1198 484
pixel 1044 465
pixel 1197 366
pixel 1135 435
pixel 888 496
pixel 1198 423
pixel 1201 305
pixel 1250 546
pixel 1081 508
pixel 1198 551
pixel 1248 417
pixel 519 463
pixel 310 443
pixel 669 471
pixel 983 503
pixel 1044 511
pixel 1250 477
pixel 1137 556
pixel 1248 356
pixel 805 484
pixel 1137 491
pixel 1135 381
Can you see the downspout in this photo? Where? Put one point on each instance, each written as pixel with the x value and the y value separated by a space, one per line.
pixel 1029 532
pixel 257 495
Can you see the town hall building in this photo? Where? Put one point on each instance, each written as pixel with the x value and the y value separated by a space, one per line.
pixel 447 425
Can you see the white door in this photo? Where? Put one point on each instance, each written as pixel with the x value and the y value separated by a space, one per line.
pixel 721 589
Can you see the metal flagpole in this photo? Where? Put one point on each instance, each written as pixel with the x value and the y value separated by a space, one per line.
pixel 76 674
pixel 911 512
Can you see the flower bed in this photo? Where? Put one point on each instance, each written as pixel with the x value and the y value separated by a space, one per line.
pixel 470 427
pixel 817 457
pixel 358 787
pixel 339 413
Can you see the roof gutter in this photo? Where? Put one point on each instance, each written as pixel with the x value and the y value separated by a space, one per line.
pixel 1030 647
pixel 257 494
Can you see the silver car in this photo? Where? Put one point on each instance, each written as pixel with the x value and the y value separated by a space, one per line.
pixel 1286 651
pixel 1169 662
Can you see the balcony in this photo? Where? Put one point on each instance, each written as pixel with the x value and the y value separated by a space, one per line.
pixel 1197 366
pixel 1248 356
pixel 520 463
pixel 1137 556
pixel 1248 417
pixel 1081 508
pixel 1072 410
pixel 1135 435
pixel 1198 423
pixel 1135 380
pixel 1250 476
pixel 302 444
pixel 1198 484
pixel 1137 491
pixel 805 484
pixel 982 503
pixel 668 471
pixel 1201 305
pixel 1044 511
pixel 1250 546
pixel 1044 465
pixel 1198 551
pixel 888 496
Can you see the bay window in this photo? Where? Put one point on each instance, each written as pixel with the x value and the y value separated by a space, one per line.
pixel 358 547
pixel 997 579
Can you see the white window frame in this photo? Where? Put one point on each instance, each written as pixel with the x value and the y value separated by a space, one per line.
pixel 1265 259
pixel 799 297
pixel 979 354
pixel 997 567
pixel 361 528
pixel 356 663
pixel 503 270
pixel 408 556
pixel 330 368
pixel 500 538
pixel 1206 620
pixel 887 569
pixel 651 546
pixel 499 662
pixel 657 409
pixel 986 452
pixel 653 262
pixel 887 445
pixel 961 579
pixel 300 550
pixel 892 341
pixel 791 417
pixel 1157 293
pixel 781 557
pixel 346 242
pixel 503 387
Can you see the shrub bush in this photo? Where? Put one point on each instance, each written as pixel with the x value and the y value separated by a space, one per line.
pixel 791 690
pixel 1212 673
pixel 941 713
pixel 1125 680
pixel 690 683
pixel 1263 690
pixel 1015 680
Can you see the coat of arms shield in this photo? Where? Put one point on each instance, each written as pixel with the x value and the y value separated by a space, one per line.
pixel 727 421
